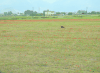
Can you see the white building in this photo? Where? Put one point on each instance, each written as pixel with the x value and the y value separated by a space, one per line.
pixel 49 13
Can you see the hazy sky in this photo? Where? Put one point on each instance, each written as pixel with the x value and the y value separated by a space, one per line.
pixel 52 5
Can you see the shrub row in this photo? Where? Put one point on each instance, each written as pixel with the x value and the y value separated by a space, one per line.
pixel 16 18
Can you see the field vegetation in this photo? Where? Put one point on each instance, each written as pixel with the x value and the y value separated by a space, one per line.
pixel 50 17
pixel 45 47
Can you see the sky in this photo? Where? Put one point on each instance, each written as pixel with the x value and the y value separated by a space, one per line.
pixel 53 5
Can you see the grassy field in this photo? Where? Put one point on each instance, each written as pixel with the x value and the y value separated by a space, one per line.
pixel 45 47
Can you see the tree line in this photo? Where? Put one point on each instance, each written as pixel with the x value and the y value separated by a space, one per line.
pixel 34 13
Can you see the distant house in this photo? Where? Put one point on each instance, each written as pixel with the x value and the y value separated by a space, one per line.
pixel 49 13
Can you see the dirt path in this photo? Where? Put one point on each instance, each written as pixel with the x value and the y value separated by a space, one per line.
pixel 45 20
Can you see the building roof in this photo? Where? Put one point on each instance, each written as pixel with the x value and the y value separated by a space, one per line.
pixel 49 11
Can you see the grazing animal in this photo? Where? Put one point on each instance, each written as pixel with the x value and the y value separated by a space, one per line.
pixel 62 27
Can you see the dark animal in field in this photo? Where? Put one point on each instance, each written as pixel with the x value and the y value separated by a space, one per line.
pixel 62 27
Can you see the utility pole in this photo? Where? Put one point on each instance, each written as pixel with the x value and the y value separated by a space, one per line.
pixel 33 11
pixel 86 9
pixel 39 9
pixel 33 8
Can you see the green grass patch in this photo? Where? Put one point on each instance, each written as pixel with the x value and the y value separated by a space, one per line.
pixel 50 17
pixel 45 47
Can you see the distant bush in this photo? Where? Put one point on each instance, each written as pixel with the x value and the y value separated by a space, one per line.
pixel 44 17
pixel 14 18
pixel 78 16
pixel 23 18
pixel 74 15
pixel 4 18
pixel 54 17
pixel 36 17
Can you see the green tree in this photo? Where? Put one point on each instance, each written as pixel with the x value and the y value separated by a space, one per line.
pixel 9 13
pixel 43 13
pixel 79 11
pixel 28 12
pixel 5 13
pixel 21 14
pixel 33 14
pixel 70 13
pixel 63 13
pixel 58 13
pixel 15 15
pixel 39 14
pixel 98 12
pixel 89 13
pixel 82 12
pixel 93 12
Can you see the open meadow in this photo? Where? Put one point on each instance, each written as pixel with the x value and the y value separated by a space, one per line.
pixel 93 16
pixel 42 46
